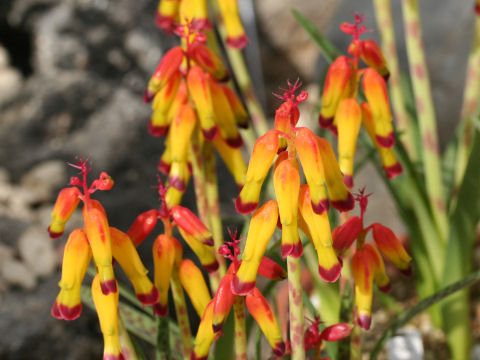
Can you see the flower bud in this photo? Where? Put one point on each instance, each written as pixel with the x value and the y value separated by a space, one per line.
pixel 363 269
pixel 223 302
pixel 66 203
pixel 336 332
pixel 142 226
pixel 208 61
pixel 163 261
pixel 236 37
pixel 373 57
pixel 391 247
pixel 380 276
pixel 239 111
pixel 191 225
pixel 345 234
pixel 194 284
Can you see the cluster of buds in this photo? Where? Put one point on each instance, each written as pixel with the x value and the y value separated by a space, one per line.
pixel 171 12
pixel 167 252
pixel 188 97
pixel 219 307
pixel 297 206
pixel 343 115
pixel 104 243
pixel 367 263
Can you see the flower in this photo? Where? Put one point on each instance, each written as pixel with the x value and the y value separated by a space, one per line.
pixel 314 338
pixel 190 102
pixel 104 243
pixel 367 263
pixel 343 115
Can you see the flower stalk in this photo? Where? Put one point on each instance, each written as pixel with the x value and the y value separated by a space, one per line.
pixel 182 315
pixel 240 329
pixel 295 303
pixel 426 115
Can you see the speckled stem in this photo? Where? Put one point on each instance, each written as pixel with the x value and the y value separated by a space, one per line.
pixel 471 97
pixel 240 329
pixel 182 315
pixel 200 181
pixel 403 121
pixel 356 343
pixel 213 203
pixel 295 303
pixel 426 115
pixel 128 350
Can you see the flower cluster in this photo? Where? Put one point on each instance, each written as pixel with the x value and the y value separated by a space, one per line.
pixel 219 307
pixel 343 115
pixel 104 243
pixel 367 263
pixel 167 251
pixel 171 12
pixel 298 206
pixel 188 96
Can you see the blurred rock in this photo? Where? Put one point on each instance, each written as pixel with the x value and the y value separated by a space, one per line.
pixel 17 273
pixel 50 175
pixel 36 250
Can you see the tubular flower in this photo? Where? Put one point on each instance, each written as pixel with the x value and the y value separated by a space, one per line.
pixel 212 320
pixel 192 281
pixel 262 226
pixel 188 100
pixel 317 228
pixel 66 203
pixel 76 257
pixel 107 311
pixel 236 37
pixel 367 263
pixel 341 113
pixel 143 226
pixel 163 262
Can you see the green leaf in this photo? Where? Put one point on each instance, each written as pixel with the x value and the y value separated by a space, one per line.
pixel 328 49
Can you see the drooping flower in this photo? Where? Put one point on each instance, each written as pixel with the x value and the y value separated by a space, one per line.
pixel 103 243
pixel 189 102
pixel 341 112
pixel 367 263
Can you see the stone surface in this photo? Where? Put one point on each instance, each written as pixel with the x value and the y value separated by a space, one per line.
pixel 17 273
pixel 37 251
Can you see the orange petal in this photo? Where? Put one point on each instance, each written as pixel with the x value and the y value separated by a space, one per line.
pixel 223 302
pixel 376 93
pixel 320 234
pixel 125 253
pixel 363 269
pixel 349 120
pixel 194 284
pixel 263 315
pixel 340 197
pixel 308 151
pixel 391 166
pixel 76 258
pixel 191 224
pixel 373 57
pixel 143 226
pixel 345 234
pixel 380 276
pixel 271 270
pixel 391 247
pixel 286 181
pixel 286 117
pixel 264 151
pixel 199 91
pixel 224 116
pixel 239 111
pixel 107 311
pixel 338 85
pixel 66 203
pixel 163 260
pixel 98 234
pixel 205 335
pixel 169 64
pixel 262 226
pixel 208 61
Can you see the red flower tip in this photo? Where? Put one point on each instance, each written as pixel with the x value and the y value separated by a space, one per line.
pixel 353 28
pixel 163 167
pixel 108 287
pixel 344 205
pixel 194 357
pixel 236 142
pixel 149 299
pixel 348 181
pixel 244 208
pixel 54 235
pixel 148 96
pixel 324 122
pixel 321 207
pixel 177 183
pixel 408 272
pixel 279 349
pixel 210 134
pixel 217 327
pixel 336 332
pixel 238 42
pixel 364 321
pixel 241 288
pixel 166 23
pixel 113 357
pixel 477 8
pixel 330 275
pixel 157 131
pixel 293 250
pixel 211 267
pixel 386 289
pixel 386 141
pixel 393 171
pixel 160 310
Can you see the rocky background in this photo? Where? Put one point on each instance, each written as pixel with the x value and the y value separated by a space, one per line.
pixel 71 78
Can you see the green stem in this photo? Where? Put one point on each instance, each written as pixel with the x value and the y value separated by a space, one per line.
pixel 421 306
pixel 163 338
pixel 403 121
pixel 213 203
pixel 182 315
pixel 471 96
pixel 240 329
pixel 128 350
pixel 356 343
pixel 295 308
pixel 426 115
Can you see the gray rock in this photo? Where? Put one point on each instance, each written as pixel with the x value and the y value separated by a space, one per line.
pixel 17 273
pixel 37 251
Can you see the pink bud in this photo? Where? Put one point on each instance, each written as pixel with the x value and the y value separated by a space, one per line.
pixel 336 332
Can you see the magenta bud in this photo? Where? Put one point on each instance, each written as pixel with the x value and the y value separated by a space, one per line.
pixel 336 332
